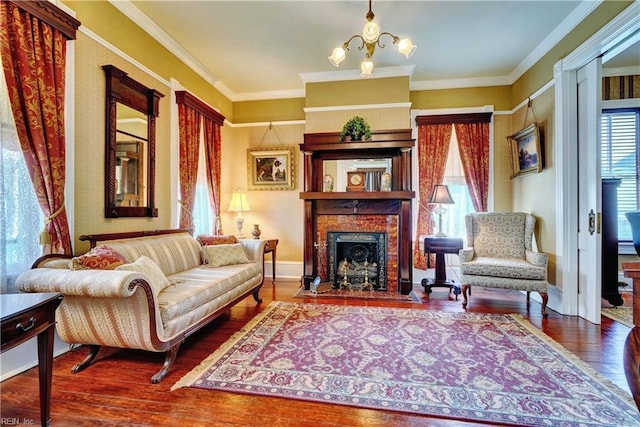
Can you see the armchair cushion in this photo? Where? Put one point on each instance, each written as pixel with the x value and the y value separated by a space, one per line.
pixel 513 268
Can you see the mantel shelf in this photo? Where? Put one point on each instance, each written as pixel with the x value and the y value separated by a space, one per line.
pixel 357 195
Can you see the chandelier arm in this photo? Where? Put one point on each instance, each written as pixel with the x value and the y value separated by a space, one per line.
pixel 395 38
pixel 345 45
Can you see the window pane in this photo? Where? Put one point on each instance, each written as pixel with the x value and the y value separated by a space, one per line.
pixel 619 145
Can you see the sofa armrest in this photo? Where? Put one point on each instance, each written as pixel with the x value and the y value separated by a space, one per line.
pixel 466 254
pixel 536 258
pixel 90 283
pixel 254 249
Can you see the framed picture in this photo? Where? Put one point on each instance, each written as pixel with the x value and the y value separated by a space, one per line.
pixel 525 149
pixel 271 169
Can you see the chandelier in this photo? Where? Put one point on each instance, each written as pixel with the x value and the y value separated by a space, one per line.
pixel 370 38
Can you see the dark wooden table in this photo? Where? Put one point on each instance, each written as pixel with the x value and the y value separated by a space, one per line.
pixel 632 344
pixel 25 316
pixel 271 246
pixel 441 246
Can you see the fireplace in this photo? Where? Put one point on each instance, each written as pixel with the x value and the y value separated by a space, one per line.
pixel 344 229
pixel 357 260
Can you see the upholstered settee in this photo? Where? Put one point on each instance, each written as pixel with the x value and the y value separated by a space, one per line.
pixel 499 254
pixel 145 290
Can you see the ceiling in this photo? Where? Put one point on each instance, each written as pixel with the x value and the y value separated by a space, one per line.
pixel 269 49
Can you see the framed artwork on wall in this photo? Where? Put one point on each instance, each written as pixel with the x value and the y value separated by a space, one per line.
pixel 525 149
pixel 271 169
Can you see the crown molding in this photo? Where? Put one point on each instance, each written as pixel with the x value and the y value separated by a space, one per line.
pixel 278 94
pixel 560 32
pixel 143 21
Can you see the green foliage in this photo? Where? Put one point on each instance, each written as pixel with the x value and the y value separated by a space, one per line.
pixel 357 129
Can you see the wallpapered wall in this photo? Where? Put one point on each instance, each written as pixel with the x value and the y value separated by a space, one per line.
pixel 89 144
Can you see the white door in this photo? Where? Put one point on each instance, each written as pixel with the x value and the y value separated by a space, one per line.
pixel 589 192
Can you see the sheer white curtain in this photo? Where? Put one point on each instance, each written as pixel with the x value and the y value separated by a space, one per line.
pixel 20 216
pixel 453 220
pixel 203 217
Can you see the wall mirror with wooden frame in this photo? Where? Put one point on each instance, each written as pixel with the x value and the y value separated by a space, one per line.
pixel 131 114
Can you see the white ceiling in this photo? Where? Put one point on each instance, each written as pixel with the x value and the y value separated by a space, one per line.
pixel 268 49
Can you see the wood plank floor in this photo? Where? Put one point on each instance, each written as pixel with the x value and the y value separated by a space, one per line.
pixel 116 390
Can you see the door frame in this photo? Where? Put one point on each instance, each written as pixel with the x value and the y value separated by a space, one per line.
pixel 614 37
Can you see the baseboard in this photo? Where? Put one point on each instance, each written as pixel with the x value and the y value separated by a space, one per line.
pixel 25 356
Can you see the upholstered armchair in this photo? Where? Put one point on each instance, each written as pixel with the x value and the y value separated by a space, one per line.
pixel 499 254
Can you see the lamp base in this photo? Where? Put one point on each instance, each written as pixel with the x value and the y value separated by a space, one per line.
pixel 239 224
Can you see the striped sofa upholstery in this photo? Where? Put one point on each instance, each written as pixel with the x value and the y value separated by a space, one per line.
pixel 499 254
pixel 115 308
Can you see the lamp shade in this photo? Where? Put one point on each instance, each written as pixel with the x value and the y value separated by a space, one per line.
pixel 239 203
pixel 441 195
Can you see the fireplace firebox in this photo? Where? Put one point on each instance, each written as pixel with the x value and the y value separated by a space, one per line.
pixel 357 260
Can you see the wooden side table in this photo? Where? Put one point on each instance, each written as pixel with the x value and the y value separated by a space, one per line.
pixel 631 355
pixel 270 247
pixel 25 316
pixel 441 246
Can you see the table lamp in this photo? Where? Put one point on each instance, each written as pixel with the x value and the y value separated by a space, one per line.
pixel 239 204
pixel 440 196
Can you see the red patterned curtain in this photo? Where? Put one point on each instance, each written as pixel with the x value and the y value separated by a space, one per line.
pixel 190 110
pixel 212 143
pixel 189 123
pixel 33 48
pixel 433 146
pixel 473 143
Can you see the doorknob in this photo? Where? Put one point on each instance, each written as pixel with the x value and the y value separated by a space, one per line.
pixel 592 222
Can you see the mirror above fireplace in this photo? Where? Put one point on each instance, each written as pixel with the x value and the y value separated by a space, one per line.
pixel 372 168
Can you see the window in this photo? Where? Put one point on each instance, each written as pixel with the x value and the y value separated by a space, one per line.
pixel 619 145
pixel 203 216
pixel 20 215
pixel 453 221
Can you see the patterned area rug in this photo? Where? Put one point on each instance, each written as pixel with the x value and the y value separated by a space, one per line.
pixel 620 314
pixel 481 367
pixel 373 295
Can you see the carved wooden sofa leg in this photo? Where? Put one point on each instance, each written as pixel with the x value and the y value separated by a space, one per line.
pixel 93 352
pixel 170 357
pixel 256 295
pixel 465 289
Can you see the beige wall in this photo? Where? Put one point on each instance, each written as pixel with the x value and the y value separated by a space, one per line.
pixel 536 192
pixel 279 213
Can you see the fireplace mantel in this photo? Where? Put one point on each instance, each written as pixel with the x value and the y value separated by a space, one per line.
pixel 359 211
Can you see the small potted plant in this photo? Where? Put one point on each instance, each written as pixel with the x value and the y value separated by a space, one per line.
pixel 356 129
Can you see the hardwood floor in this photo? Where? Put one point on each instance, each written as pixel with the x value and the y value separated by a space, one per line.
pixel 116 390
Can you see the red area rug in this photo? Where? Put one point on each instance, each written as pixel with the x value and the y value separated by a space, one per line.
pixel 479 367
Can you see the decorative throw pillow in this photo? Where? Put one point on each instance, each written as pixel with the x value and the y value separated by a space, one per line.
pixel 219 255
pixel 146 266
pixel 221 239
pixel 98 258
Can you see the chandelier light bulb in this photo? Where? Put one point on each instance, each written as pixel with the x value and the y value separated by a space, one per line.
pixel 371 32
pixel 406 48
pixel 366 67
pixel 337 56
pixel 370 38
